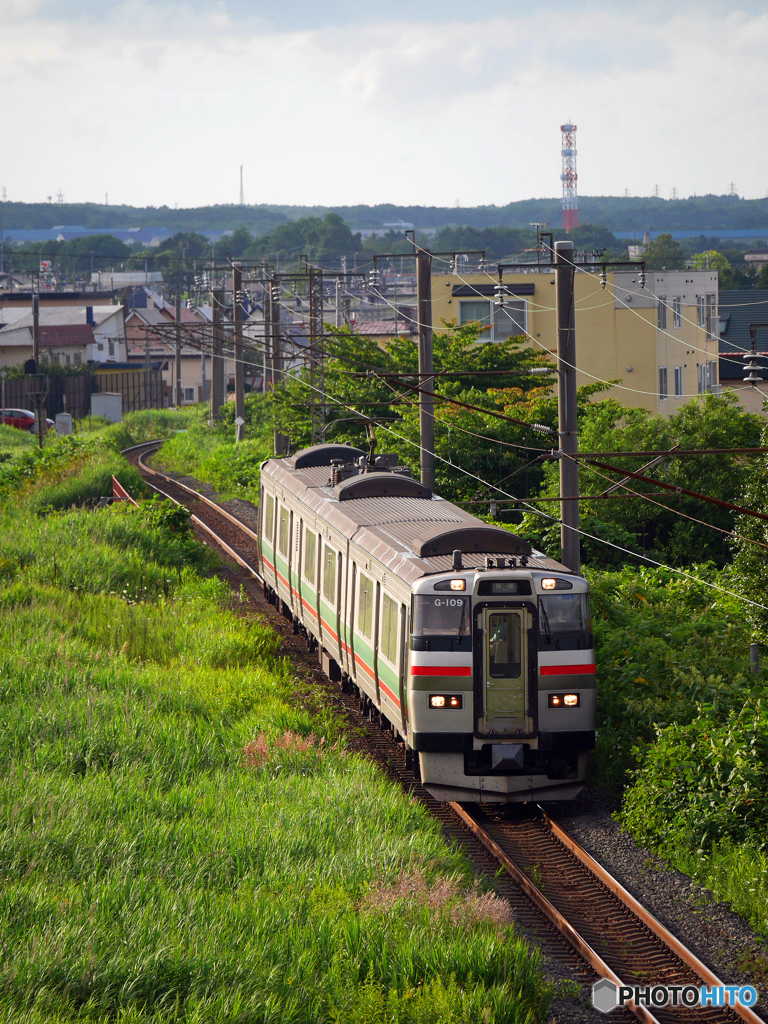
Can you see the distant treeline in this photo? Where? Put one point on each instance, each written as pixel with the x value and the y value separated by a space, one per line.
pixel 618 213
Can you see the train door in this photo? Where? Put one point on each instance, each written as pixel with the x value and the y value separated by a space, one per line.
pixel 339 592
pixel 376 634
pixel 351 620
pixel 505 667
pixel 296 574
pixel 403 652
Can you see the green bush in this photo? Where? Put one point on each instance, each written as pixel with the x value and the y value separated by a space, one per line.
pixel 703 782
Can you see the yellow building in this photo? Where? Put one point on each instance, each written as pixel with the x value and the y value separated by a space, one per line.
pixel 660 342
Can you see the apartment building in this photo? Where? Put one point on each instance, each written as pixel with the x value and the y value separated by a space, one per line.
pixel 659 342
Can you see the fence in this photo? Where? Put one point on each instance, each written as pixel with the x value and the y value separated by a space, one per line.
pixel 73 394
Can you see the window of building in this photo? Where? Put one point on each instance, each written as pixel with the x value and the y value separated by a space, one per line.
pixel 111 348
pixel 474 312
pixel 662 320
pixel 510 319
pixel 329 575
pixel 663 393
pixel 189 394
pixel 78 358
pixel 701 310
pixel 711 318
pixel 712 373
pixel 270 518
pixel 678 381
pixel 285 529
pixel 677 311
pixel 310 557
pixel 365 607
pixel 702 369
pixel 100 347
pixel 389 629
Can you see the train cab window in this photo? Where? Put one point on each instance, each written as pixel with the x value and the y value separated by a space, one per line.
pixel 285 529
pixel 329 575
pixel 269 522
pixel 365 607
pixel 563 616
pixel 441 616
pixel 389 629
pixel 310 557
pixel 504 646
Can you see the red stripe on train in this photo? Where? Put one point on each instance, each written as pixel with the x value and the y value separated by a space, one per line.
pixel 440 670
pixel 567 670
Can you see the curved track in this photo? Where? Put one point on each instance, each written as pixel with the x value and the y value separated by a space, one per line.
pixel 558 891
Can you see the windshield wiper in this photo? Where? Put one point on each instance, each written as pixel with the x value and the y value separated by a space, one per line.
pixel 545 620
pixel 461 620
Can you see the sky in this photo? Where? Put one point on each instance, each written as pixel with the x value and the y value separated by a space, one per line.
pixel 411 103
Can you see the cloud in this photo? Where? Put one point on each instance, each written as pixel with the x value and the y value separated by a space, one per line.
pixel 412 103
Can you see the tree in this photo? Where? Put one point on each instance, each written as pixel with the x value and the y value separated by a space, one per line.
pixel 710 259
pixel 654 527
pixel 664 253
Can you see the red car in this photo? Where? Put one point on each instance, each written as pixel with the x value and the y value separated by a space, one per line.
pixel 23 419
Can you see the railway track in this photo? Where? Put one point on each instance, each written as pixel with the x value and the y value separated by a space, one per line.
pixel 559 893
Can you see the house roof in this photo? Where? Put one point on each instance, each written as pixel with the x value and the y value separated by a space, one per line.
pixel 738 309
pixel 383 328
pixel 150 316
pixel 76 335
pixel 12 318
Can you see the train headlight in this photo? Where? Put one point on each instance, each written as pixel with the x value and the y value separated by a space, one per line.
pixel 548 584
pixel 458 584
pixel 564 700
pixel 443 700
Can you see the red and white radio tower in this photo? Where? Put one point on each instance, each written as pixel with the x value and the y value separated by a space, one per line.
pixel 569 177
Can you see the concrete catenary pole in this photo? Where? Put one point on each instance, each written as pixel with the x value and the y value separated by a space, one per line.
pixel 237 323
pixel 427 402
pixel 177 360
pixel 40 416
pixel 217 358
pixel 567 419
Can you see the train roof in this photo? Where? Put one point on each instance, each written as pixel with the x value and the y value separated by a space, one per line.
pixel 400 522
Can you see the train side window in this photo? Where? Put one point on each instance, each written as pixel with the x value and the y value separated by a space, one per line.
pixel 285 530
pixel 270 518
pixel 310 557
pixel 389 629
pixel 365 607
pixel 329 576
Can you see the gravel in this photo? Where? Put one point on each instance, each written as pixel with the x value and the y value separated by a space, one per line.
pixel 721 939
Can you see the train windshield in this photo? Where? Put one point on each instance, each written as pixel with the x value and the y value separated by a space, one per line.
pixel 441 616
pixel 564 614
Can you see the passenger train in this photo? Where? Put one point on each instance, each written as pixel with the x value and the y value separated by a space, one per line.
pixel 474 650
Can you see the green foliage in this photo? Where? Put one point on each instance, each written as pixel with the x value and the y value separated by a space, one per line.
pixel 709 777
pixel 664 253
pixel 472 440
pixel 750 566
pixel 654 527
pixel 664 644
pixel 155 866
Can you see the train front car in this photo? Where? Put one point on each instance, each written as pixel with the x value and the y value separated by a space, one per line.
pixel 472 649
pixel 502 682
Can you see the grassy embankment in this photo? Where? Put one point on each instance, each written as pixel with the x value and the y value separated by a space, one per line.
pixel 179 839
pixel 683 730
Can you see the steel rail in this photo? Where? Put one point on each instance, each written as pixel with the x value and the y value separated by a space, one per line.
pixel 629 901
pixel 152 446
pixel 549 911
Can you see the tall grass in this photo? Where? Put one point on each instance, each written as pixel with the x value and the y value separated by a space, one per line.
pixel 179 839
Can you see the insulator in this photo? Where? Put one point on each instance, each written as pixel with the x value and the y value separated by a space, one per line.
pixel 541 428
pixel 454 265
pixel 276 292
pixel 373 278
pixel 603 278
pixel 641 276
pixel 499 295
pixel 482 264
pixel 751 369
pixel 240 296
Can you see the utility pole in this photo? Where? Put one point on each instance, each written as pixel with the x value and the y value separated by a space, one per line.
pixel 177 368
pixel 40 381
pixel 427 402
pixel 147 372
pixel 281 441
pixel 315 345
pixel 566 406
pixel 237 320
pixel 217 357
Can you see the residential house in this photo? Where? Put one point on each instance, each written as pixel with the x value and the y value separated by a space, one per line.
pixel 68 335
